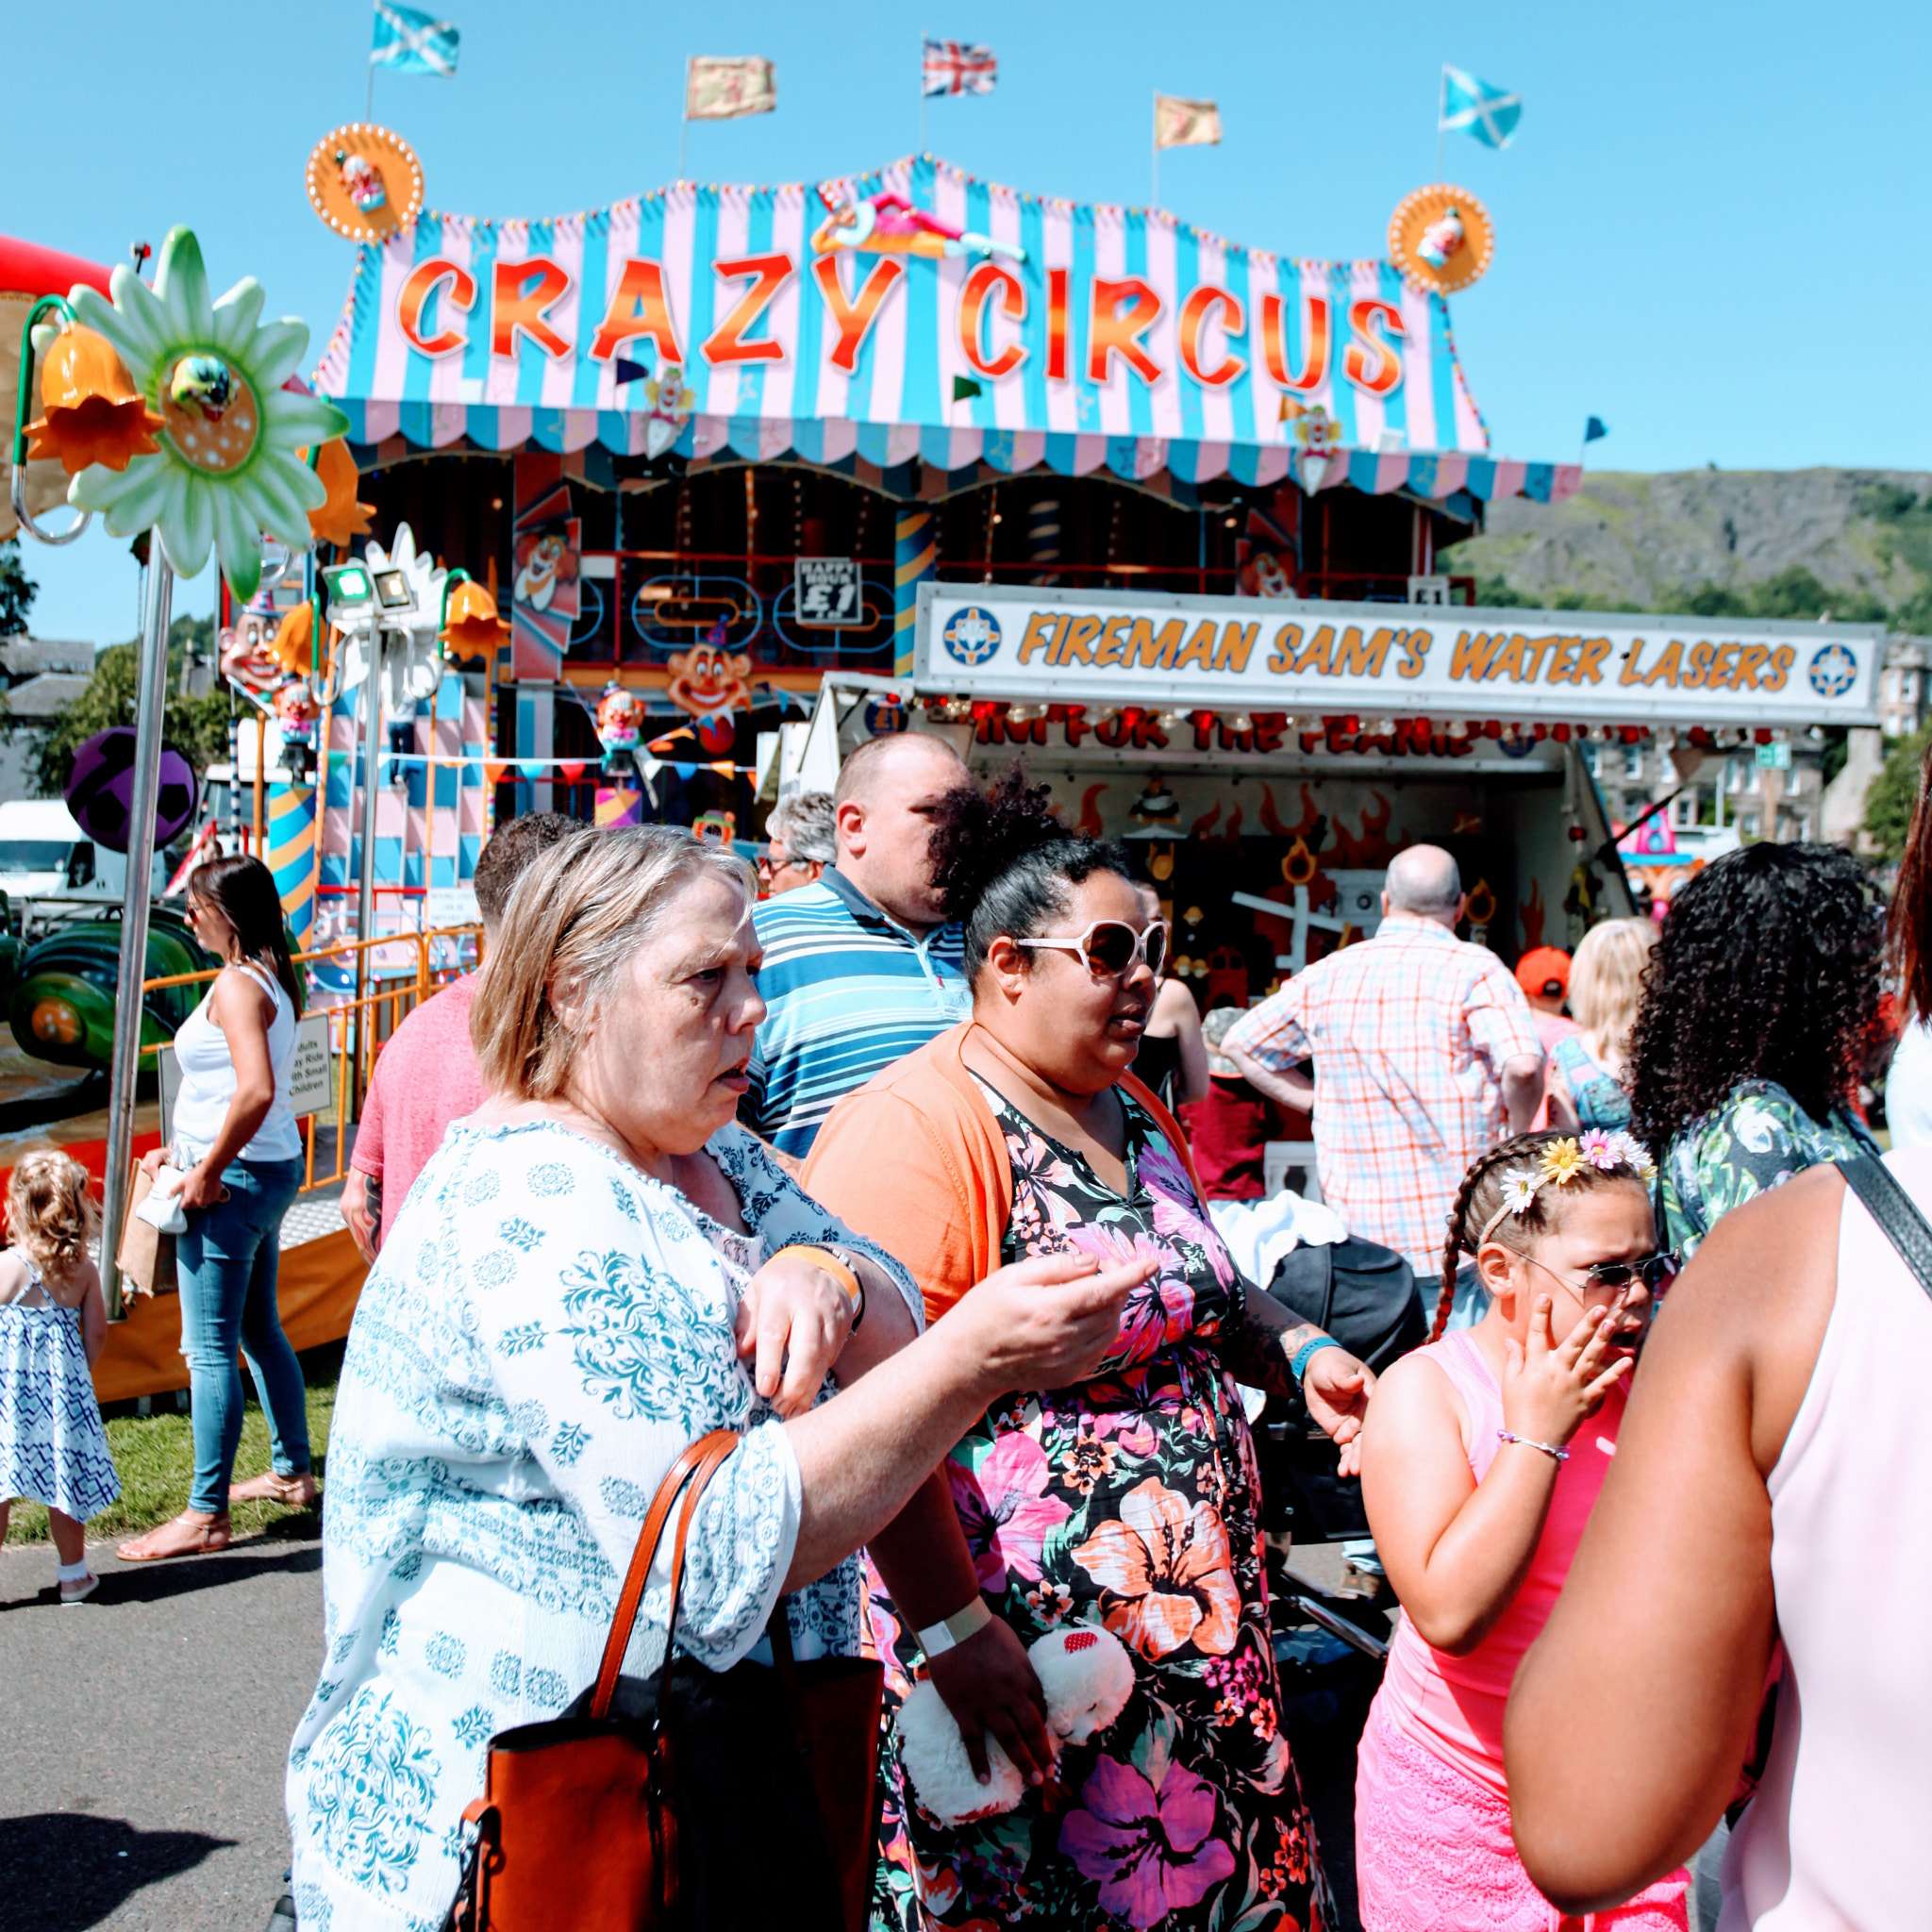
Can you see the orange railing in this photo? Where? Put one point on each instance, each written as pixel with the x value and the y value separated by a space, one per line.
pixel 394 975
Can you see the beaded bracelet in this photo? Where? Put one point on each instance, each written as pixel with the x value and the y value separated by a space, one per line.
pixel 1298 1368
pixel 1530 1443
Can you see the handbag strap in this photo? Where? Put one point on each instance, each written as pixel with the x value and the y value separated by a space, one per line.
pixel 1894 1212
pixel 700 1461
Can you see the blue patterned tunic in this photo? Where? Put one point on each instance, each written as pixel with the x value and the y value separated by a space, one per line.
pixel 546 1330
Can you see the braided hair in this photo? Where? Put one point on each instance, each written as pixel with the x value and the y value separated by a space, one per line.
pixel 1480 1198
pixel 1002 859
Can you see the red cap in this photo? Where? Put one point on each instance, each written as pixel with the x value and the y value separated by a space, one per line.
pixel 1544 970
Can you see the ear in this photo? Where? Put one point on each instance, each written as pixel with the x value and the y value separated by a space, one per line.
pixel 1461 911
pixel 1500 1271
pixel 849 826
pixel 566 997
pixel 1007 966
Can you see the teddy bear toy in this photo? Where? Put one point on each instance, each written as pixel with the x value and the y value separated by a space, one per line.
pixel 1087 1677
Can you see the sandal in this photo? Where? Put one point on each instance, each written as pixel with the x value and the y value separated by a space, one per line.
pixel 297 1492
pixel 193 1533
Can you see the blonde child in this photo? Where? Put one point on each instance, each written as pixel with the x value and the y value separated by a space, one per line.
pixel 1481 1458
pixel 53 1449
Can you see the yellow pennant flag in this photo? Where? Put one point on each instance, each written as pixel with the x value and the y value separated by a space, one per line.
pixel 1184 123
pixel 724 90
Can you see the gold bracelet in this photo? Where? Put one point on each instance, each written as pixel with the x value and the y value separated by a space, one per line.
pixel 831 1264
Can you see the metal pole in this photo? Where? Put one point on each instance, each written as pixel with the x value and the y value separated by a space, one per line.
pixel 365 878
pixel 134 910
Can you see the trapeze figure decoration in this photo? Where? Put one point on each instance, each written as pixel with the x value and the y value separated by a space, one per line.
pixel 888 223
pixel 671 407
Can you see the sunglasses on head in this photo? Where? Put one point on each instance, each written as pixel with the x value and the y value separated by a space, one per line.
pixel 1111 948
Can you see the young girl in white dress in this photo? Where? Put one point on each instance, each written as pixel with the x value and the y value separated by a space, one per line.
pixel 52 1320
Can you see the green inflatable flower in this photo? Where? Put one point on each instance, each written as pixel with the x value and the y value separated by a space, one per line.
pixel 230 465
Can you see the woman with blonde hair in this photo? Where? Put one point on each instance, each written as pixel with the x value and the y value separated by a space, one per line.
pixel 53 1449
pixel 594 1270
pixel 1589 1068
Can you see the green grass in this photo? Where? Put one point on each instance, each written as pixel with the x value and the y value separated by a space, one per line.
pixel 154 1455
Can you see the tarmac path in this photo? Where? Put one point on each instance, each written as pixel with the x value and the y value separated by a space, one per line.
pixel 142 1736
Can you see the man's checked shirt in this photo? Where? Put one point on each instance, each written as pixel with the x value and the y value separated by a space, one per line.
pixel 1410 1032
pixel 848 992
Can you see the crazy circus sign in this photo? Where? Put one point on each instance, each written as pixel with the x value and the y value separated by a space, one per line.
pixel 1400 660
pixel 916 299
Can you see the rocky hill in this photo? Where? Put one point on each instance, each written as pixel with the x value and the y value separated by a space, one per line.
pixel 1856 543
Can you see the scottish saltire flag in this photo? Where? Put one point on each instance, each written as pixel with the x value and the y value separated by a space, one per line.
pixel 1595 429
pixel 1473 106
pixel 414 42
pixel 952 67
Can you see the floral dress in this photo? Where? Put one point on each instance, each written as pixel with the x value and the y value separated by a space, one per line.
pixel 1132 1501
pixel 1757 1140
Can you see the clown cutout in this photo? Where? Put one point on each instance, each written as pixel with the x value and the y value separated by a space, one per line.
pixel 888 223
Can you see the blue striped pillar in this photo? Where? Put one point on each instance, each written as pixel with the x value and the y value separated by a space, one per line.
pixel 917 561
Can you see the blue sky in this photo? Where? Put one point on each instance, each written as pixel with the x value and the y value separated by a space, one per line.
pixel 1708 232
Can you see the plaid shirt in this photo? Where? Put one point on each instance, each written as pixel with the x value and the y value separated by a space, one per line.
pixel 1410 1032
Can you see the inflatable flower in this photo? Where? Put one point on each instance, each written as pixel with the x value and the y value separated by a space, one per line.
pixel 228 466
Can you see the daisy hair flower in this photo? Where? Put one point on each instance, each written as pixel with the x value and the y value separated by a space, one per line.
pixel 1562 1161
pixel 1601 1151
pixel 1634 1154
pixel 1519 1189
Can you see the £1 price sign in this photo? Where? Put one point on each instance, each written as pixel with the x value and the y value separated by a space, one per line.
pixel 826 590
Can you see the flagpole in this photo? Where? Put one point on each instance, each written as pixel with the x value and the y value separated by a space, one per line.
pixel 1442 107
pixel 921 90
pixel 684 117
pixel 368 100
pixel 1154 202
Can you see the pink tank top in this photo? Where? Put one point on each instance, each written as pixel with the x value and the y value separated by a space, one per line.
pixel 1837 1835
pixel 1452 1705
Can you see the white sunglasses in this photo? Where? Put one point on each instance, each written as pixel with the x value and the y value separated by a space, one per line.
pixel 1110 948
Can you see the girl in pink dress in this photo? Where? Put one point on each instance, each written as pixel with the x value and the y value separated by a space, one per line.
pixel 1482 1455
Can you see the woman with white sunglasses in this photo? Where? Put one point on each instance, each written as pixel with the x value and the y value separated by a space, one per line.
pixel 1130 1499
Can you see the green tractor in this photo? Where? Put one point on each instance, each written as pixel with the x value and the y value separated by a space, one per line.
pixel 61 990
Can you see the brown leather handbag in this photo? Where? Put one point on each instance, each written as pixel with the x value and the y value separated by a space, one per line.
pixel 700 1801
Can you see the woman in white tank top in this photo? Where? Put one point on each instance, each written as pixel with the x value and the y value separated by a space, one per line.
pixel 237 1140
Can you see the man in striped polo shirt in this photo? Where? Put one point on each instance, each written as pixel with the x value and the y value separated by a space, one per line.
pixel 859 968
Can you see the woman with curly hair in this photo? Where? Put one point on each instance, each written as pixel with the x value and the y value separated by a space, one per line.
pixel 1129 1501
pixel 1759 1004
pixel 1908 965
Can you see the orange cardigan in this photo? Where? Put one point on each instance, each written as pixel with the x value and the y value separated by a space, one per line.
pixel 916 1160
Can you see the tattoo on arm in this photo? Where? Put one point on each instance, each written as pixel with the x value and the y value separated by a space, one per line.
pixel 1265 1342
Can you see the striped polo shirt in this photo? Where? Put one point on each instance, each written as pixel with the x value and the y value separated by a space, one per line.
pixel 849 992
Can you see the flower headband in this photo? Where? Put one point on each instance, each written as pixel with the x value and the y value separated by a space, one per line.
pixel 1562 1161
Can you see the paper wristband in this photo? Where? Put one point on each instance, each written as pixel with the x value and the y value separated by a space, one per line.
pixel 937 1639
pixel 832 1265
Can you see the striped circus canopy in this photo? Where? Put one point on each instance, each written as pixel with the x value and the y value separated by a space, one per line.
pixel 941 320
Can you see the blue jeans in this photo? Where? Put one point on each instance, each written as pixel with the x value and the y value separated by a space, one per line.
pixel 226 1265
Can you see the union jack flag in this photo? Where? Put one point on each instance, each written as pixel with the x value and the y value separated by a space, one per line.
pixel 952 67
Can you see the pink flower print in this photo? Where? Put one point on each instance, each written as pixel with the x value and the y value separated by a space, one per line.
pixel 1175 1205
pixel 1132 1432
pixel 1004 1511
pixel 1158 1313
pixel 1035 1158
pixel 1147 1844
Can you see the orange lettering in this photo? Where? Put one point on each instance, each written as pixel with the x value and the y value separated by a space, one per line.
pixel 1123 313
pixel 417 292
pixel 518 305
pixel 1286 641
pixel 1314 370
pixel 1415 649
pixel 1749 665
pixel 1781 661
pixel 854 318
pixel 1589 668
pixel 726 342
pixel 1386 370
pixel 984 281
pixel 1057 323
pixel 638 311
pixel 1195 315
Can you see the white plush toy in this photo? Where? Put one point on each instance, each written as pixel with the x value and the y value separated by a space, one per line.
pixel 1087 1677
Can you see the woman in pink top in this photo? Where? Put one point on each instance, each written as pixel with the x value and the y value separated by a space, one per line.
pixel 1482 1455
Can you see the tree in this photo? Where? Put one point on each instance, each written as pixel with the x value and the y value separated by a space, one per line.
pixel 196 727
pixel 17 589
pixel 1895 791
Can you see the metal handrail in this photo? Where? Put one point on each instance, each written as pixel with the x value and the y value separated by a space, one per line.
pixel 357 1018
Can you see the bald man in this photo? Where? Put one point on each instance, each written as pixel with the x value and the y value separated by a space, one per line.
pixel 1426 1055
pixel 859 968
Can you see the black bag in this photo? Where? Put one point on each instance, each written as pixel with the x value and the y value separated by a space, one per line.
pixel 1366 1296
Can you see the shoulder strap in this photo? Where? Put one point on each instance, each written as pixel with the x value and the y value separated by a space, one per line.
pixel 1894 1212
pixel 700 1461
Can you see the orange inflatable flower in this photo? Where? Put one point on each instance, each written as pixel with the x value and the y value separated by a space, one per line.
pixel 342 517
pixel 471 627
pixel 1167 1574
pixel 93 413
